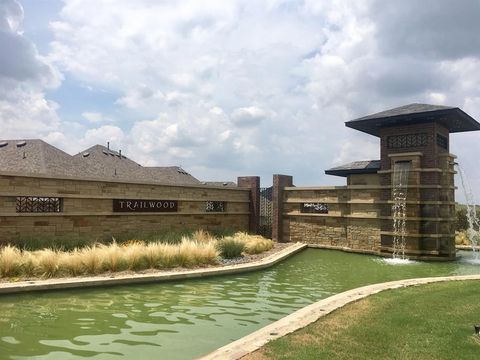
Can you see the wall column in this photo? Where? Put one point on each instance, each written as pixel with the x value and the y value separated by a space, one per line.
pixel 279 183
pixel 253 183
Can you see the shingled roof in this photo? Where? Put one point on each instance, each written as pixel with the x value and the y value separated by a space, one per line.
pixel 98 162
pixel 453 118
pixel 356 167
pixel 33 157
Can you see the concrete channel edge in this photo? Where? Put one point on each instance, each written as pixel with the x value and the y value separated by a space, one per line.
pixel 311 313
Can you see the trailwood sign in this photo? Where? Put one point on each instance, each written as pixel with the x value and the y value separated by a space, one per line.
pixel 129 205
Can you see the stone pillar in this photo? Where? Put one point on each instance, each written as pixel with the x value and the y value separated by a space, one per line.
pixel 253 183
pixel 430 231
pixel 279 183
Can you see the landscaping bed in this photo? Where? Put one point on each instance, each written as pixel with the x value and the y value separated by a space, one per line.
pixel 198 250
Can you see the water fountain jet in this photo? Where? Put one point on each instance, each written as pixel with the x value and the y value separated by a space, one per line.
pixel 401 171
pixel 472 218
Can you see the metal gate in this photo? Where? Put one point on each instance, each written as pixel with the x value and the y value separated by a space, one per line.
pixel 265 221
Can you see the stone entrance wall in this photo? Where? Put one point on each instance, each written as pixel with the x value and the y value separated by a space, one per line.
pixel 352 221
pixel 359 217
pixel 87 208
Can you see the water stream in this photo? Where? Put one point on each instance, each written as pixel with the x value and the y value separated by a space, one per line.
pixel 401 171
pixel 185 319
pixel 472 218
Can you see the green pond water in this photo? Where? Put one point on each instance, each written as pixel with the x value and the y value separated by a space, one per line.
pixel 185 319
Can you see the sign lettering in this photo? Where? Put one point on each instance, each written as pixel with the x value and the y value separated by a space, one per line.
pixel 130 205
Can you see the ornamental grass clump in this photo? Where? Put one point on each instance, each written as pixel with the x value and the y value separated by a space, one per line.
pixel 230 248
pixel 206 253
pixel 193 253
pixel 199 248
pixel 135 255
pixel 48 262
pixel 202 236
pixel 10 261
pixel 461 238
pixel 254 244
pixel 70 263
pixel 167 256
pixel 90 260
pixel 153 255
pixel 112 257
pixel 29 264
pixel 185 256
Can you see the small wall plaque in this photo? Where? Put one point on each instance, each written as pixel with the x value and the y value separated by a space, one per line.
pixel 316 208
pixel 134 205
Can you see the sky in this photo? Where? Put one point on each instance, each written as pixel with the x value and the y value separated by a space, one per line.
pixel 228 88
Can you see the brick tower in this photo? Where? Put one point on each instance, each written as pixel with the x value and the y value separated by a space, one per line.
pixel 419 134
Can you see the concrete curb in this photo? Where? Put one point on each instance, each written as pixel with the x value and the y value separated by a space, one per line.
pixel 466 247
pixel 312 313
pixel 72 283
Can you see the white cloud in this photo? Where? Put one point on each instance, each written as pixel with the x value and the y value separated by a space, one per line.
pixel 95 117
pixel 107 132
pixel 250 116
pixel 25 112
pixel 233 87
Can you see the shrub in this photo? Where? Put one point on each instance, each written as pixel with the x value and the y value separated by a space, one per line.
pixel 230 248
pixel 461 222
pixel 221 232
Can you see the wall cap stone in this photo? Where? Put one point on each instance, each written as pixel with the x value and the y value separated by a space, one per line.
pixel 99 180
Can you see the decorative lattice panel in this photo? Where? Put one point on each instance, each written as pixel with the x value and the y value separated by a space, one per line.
pixel 215 206
pixel 265 221
pixel 36 204
pixel 407 141
pixel 442 141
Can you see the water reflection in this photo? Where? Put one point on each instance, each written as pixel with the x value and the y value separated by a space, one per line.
pixel 186 319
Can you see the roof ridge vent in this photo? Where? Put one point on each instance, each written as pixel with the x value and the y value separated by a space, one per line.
pixel 21 143
pixel 3 143
pixel 85 154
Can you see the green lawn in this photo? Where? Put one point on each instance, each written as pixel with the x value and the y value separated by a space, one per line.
pixel 426 322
